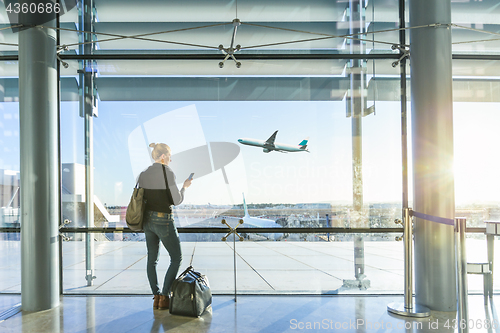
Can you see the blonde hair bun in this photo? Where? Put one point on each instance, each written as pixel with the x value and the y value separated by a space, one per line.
pixel 158 150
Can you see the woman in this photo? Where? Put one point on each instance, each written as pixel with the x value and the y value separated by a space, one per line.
pixel 159 221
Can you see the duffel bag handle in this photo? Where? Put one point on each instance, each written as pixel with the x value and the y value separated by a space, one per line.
pixel 186 271
pixel 190 270
pixel 195 274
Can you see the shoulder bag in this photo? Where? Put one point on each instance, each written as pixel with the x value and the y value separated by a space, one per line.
pixel 135 209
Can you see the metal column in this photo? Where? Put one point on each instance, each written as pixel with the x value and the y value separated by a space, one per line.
pixel 356 108
pixel 408 308
pixel 404 112
pixel 39 168
pixel 357 100
pixel 432 141
pixel 89 198
pixel 88 111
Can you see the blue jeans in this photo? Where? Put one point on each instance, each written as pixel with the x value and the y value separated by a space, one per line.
pixel 158 228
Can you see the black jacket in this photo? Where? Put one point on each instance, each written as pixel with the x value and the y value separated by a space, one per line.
pixel 153 182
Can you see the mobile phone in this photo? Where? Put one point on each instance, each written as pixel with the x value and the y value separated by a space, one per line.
pixel 191 176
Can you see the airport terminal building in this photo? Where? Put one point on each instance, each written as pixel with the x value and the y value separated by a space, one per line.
pixel 343 152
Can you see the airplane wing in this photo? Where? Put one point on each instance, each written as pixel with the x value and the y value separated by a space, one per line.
pixel 271 139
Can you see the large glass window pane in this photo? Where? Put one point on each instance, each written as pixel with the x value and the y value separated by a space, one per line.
pixel 382 171
pixel 200 27
pixel 9 178
pixel 10 262
pixel 202 118
pixel 476 27
pixel 475 119
pixel 347 110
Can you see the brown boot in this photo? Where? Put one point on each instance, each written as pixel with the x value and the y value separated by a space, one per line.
pixel 156 301
pixel 164 302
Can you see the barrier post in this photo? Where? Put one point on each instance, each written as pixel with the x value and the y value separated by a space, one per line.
pixel 408 252
pixel 408 308
pixel 461 261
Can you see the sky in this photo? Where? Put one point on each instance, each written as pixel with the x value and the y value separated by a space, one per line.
pixel 323 175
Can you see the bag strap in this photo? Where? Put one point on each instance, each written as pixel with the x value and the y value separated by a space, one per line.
pixel 186 271
pixel 169 194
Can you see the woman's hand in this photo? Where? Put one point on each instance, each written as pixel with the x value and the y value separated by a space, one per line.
pixel 187 183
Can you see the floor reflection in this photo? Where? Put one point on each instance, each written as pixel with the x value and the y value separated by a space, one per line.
pixel 164 321
pixel 42 321
pixel 356 314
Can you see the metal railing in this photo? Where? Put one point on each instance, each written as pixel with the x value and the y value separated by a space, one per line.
pixel 221 230
pixel 408 306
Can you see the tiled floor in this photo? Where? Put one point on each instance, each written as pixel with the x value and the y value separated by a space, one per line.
pixel 108 314
pixel 262 267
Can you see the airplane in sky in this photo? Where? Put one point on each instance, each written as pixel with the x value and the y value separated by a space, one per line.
pixel 269 145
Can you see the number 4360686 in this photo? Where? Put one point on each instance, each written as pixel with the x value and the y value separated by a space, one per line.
pixel 34 8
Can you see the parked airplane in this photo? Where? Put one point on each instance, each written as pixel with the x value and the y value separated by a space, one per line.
pixel 269 145
pixel 248 222
pixel 258 222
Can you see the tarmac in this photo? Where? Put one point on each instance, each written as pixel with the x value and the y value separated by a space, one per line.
pixel 262 267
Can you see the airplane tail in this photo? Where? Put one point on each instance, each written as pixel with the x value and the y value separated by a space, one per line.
pixel 245 206
pixel 303 144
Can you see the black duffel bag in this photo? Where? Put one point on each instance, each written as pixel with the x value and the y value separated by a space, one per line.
pixel 190 294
